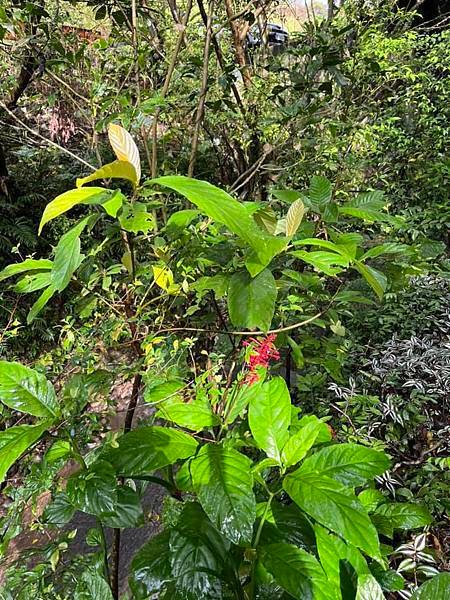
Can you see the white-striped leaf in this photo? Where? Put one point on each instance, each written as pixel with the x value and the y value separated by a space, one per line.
pixel 294 217
pixel 124 147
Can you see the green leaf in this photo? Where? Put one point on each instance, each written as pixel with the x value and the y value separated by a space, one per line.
pixel 376 279
pixel 29 264
pixel 320 192
pixel 296 571
pixel 60 511
pixel 217 283
pixel 369 588
pixel 297 446
pixel 147 449
pixel 181 219
pixel 127 510
pixel 60 449
pixel 327 262
pixel 333 506
pixel 371 498
pixel 405 515
pixel 66 201
pixel 223 482
pixel 294 217
pixel 251 302
pixel 119 169
pixel 27 390
pixel 46 295
pixel 135 218
pixel 269 417
pixel 14 441
pixel 92 585
pixel 225 209
pixel 437 588
pixel 332 551
pixel 350 464
pixel 324 431
pixel 197 555
pixel 162 391
pixel 94 490
pixel 387 248
pixel 287 196
pixel 112 206
pixel 33 283
pixel 150 569
pixel 67 256
pixel 288 524
pixel 192 415
pixel 341 249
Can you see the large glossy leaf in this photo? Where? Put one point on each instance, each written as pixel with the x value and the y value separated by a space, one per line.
pixel 333 550
pixel 269 417
pixel 124 147
pixel 14 441
pixel 67 256
pixel 404 515
pixel 43 299
pixel 146 449
pixel 351 464
pixel 334 506
pixel 298 445
pixel 376 279
pixel 192 415
pixel 437 588
pixel 287 523
pixel 26 390
pixel 251 302
pixel 223 482
pixel 119 169
pixel 369 588
pixel 296 571
pixel 197 555
pixel 66 201
pixel 127 511
pixel 225 209
pixel 330 263
pixel 60 511
pixel 92 585
pixel 94 490
pixel 30 264
pixel 150 569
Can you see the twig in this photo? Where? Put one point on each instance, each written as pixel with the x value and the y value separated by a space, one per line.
pixel 203 90
pixel 40 136
pixel 165 89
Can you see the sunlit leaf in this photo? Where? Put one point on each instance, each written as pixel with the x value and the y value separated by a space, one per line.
pixel 124 147
pixel 119 169
pixel 294 217
pixel 26 390
pixel 66 201
pixel 14 441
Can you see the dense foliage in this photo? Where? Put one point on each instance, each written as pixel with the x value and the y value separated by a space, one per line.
pixel 239 307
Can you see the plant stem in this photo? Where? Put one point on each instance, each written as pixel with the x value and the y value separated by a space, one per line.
pixel 252 585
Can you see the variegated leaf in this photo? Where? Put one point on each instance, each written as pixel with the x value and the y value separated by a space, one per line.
pixel 124 147
pixel 294 217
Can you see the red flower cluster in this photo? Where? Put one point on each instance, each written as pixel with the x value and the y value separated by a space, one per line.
pixel 262 352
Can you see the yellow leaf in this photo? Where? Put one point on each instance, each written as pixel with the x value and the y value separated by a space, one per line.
pixel 68 200
pixel 163 277
pixel 294 217
pixel 124 147
pixel 119 169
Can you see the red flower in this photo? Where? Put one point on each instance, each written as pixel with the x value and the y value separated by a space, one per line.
pixel 261 353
